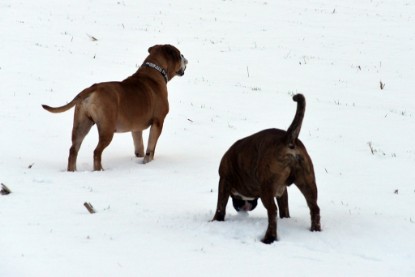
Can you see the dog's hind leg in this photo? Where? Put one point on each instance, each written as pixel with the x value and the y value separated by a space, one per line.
pixel 223 197
pixel 81 127
pixel 105 138
pixel 269 203
pixel 155 132
pixel 309 189
pixel 138 143
pixel 283 205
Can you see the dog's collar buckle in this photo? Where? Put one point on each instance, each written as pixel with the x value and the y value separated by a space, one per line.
pixel 159 69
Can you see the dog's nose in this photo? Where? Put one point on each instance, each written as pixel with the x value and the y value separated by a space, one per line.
pixel 184 59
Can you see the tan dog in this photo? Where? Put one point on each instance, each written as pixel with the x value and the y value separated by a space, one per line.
pixel 262 166
pixel 138 102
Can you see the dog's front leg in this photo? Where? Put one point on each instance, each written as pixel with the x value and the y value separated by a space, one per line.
pixel 155 132
pixel 138 143
pixel 271 234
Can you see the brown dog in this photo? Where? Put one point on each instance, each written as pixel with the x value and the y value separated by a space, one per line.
pixel 138 102
pixel 262 166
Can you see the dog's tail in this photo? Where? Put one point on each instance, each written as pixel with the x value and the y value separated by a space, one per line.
pixel 295 127
pixel 60 109
pixel 81 96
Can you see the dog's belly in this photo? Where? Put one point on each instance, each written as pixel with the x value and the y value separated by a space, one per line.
pixel 124 129
pixel 123 126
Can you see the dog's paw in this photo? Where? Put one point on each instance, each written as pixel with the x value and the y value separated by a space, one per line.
pixel 148 158
pixel 218 217
pixel 315 223
pixel 315 227
pixel 269 239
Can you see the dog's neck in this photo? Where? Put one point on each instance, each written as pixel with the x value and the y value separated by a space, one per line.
pixel 158 68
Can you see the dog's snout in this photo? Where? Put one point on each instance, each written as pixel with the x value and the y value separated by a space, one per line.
pixel 184 59
pixel 183 65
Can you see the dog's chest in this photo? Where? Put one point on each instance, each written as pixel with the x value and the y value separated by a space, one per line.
pixel 277 191
pixel 241 196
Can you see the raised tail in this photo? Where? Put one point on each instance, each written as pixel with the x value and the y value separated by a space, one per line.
pixel 295 127
pixel 81 96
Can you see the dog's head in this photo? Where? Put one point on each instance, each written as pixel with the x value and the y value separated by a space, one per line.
pixel 241 205
pixel 173 61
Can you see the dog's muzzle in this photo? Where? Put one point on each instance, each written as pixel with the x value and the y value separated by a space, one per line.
pixel 183 67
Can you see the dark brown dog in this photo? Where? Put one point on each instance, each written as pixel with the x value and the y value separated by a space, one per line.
pixel 262 166
pixel 138 102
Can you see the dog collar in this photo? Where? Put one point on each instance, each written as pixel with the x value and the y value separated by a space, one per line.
pixel 159 69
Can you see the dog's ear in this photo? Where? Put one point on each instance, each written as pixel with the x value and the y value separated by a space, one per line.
pixel 152 48
pixel 172 51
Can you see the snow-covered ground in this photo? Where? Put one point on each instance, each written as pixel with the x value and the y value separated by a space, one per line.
pixel 246 59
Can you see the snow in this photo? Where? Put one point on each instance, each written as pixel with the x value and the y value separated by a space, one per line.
pixel 246 59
